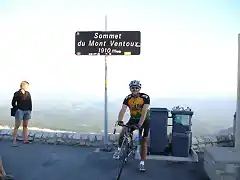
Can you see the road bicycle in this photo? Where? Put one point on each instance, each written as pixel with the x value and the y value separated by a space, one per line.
pixel 127 148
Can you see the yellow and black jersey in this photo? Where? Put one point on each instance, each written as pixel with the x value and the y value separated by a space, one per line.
pixel 135 104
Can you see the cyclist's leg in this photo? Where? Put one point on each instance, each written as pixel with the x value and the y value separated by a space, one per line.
pixel 144 142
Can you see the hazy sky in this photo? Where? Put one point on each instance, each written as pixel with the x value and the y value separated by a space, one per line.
pixel 189 48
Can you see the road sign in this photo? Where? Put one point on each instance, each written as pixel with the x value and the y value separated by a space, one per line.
pixel 107 43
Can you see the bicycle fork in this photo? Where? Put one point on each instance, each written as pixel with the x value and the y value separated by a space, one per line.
pixel 130 149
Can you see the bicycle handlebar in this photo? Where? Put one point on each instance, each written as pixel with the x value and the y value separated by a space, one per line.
pixel 124 125
pixel 129 126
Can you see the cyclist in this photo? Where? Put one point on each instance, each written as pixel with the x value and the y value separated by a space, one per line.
pixel 138 104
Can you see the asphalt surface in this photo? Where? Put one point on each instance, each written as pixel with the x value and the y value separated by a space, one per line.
pixel 59 162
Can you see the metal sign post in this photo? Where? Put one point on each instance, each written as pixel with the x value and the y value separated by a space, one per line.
pixel 236 126
pixel 105 99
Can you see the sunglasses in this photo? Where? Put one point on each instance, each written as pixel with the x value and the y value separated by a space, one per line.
pixel 134 88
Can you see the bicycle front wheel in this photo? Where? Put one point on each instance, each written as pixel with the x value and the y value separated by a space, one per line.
pixel 123 156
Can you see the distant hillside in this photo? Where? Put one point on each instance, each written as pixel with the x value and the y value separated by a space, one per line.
pixel 210 115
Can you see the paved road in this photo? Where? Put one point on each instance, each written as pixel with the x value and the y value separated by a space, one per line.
pixel 59 162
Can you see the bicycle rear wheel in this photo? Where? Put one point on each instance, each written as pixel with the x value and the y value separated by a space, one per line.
pixel 123 156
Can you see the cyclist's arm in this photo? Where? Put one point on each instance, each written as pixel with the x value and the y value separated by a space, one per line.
pixel 122 112
pixel 123 109
pixel 144 110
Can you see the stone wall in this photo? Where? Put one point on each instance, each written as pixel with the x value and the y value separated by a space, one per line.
pixel 96 139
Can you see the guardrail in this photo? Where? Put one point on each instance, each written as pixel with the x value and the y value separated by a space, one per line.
pixel 97 139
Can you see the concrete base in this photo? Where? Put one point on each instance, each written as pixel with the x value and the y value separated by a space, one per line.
pixel 193 157
pixel 222 163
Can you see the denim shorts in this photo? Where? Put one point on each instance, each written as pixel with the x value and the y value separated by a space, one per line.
pixel 22 115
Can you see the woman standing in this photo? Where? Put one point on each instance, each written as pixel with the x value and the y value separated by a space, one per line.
pixel 23 103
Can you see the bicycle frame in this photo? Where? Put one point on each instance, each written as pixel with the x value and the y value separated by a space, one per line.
pixel 126 147
pixel 128 136
pixel 128 133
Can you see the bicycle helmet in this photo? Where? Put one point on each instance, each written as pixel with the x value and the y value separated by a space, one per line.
pixel 135 83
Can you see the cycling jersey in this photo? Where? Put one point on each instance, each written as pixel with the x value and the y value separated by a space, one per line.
pixel 135 104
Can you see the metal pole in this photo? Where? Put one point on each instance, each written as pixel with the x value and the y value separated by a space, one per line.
pixel 237 123
pixel 106 98
pixel 234 127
